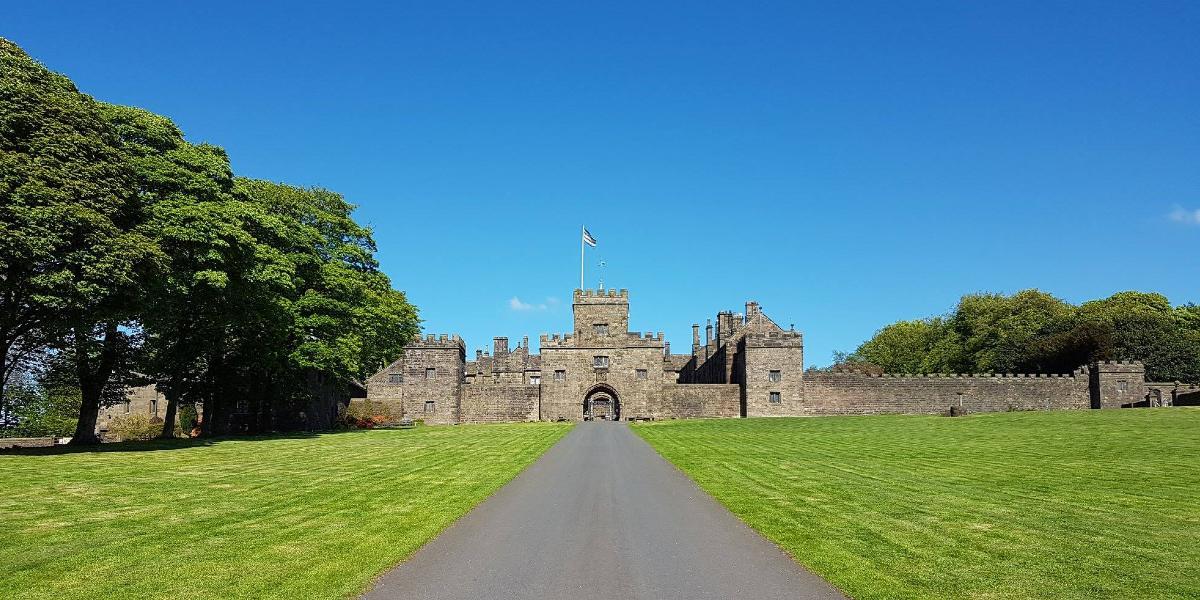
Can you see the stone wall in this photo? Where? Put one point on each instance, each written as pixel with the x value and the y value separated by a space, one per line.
pixel 1170 394
pixel 696 401
pixel 1117 384
pixel 859 394
pixel 500 403
pixel 600 307
pixel 425 382
pixel 39 442
pixel 770 367
pixel 141 400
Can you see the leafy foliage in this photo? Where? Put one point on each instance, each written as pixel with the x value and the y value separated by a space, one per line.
pixel 135 427
pixel 127 248
pixel 40 411
pixel 1032 331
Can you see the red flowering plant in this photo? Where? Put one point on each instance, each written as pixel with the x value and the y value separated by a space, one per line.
pixel 367 414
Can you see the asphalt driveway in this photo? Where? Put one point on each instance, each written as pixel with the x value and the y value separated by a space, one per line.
pixel 601 516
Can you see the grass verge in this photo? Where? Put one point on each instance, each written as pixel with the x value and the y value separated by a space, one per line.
pixel 1072 504
pixel 277 517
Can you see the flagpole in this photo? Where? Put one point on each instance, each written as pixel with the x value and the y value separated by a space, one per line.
pixel 581 243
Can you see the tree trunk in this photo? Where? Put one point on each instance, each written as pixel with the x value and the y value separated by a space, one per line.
pixel 92 381
pixel 4 416
pixel 168 430
pixel 85 428
pixel 215 379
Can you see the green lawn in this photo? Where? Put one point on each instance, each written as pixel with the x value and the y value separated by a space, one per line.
pixel 1076 504
pixel 303 517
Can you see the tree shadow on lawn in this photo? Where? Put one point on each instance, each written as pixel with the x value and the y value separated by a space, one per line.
pixel 175 444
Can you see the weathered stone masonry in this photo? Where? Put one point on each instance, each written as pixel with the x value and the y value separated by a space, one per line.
pixel 747 366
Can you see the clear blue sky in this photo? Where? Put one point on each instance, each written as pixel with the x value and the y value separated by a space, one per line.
pixel 846 167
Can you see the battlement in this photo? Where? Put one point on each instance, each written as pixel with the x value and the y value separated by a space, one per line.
pixel 434 340
pixel 1119 366
pixel 855 373
pixel 592 296
pixel 649 336
pixel 630 339
pixel 557 340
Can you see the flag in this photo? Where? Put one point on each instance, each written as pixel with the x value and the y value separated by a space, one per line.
pixel 588 239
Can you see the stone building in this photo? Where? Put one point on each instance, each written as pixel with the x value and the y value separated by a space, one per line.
pixel 142 400
pixel 744 366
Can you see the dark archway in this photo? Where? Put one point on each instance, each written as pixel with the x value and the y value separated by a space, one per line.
pixel 602 402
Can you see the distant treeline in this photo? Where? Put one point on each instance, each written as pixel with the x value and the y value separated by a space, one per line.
pixel 1034 332
pixel 129 255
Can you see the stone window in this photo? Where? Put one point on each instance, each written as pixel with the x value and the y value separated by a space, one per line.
pixel 535 379
pixel 395 377
pixel 430 372
pixel 775 375
pixel 600 329
pixel 600 362
pixel 560 375
pixel 128 405
pixel 776 398
pixel 154 407
pixel 428 406
pixel 1123 385
pixel 641 374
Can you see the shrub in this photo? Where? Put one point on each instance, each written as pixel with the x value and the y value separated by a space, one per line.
pixel 188 417
pixel 366 414
pixel 135 427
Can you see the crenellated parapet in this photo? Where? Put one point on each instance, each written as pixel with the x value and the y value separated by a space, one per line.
pixel 600 295
pixel 437 340
pixel 919 376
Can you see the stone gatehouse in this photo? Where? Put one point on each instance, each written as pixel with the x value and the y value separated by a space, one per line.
pixel 744 366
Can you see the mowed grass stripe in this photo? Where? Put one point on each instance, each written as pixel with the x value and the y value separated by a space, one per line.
pixel 1071 504
pixel 304 517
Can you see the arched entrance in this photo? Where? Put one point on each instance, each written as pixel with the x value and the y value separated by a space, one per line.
pixel 601 403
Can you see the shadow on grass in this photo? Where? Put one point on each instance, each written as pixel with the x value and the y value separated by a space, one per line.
pixel 175 444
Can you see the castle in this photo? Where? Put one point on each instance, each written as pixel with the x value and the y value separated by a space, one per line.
pixel 747 366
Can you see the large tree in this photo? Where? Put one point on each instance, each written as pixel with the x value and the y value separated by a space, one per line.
pixel 316 311
pixel 197 222
pixel 1032 331
pixel 73 250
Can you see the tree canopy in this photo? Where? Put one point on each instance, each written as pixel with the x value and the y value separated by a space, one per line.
pixel 128 249
pixel 1032 331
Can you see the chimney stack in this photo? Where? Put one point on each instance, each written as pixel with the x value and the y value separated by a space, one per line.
pixel 752 310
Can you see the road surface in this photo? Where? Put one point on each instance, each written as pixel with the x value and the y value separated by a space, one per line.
pixel 600 516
